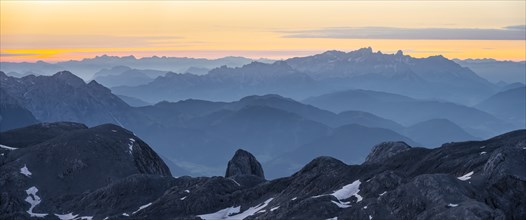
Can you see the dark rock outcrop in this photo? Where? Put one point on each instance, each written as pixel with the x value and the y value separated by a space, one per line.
pixel 244 163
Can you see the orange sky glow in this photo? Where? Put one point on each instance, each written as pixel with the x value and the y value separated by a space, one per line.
pixel 64 30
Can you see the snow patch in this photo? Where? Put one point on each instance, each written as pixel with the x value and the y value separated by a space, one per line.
pixel 187 191
pixel 33 200
pixel 318 196
pixel 274 208
pixel 483 147
pixel 182 198
pixel 365 207
pixel 71 216
pixel 141 208
pixel 252 210
pixel 452 205
pixel 221 214
pixel 7 147
pixel 335 218
pixel 381 194
pixel 294 198
pixel 25 171
pixel 483 152
pixel 114 131
pixel 467 176
pixel 370 217
pixel 349 190
pixel 230 213
pixel 68 216
pixel 125 214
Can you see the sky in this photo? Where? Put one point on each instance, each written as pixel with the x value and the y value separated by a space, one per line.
pixel 64 30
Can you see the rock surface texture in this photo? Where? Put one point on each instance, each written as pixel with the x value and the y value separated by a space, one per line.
pixel 106 172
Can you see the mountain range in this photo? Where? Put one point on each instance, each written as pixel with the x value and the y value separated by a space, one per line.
pixel 270 126
pixel 433 77
pixel 87 68
pixel 154 79
pixel 122 177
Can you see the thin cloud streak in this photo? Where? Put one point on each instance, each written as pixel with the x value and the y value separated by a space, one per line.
pixel 508 33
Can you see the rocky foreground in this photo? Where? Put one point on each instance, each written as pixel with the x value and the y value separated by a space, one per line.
pixel 69 171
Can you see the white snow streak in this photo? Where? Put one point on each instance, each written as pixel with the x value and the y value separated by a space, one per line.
pixel 483 152
pixel 381 194
pixel 25 171
pixel 142 207
pixel 274 208
pixel 467 176
pixel 452 205
pixel 33 200
pixel 130 145
pixel 182 198
pixel 7 147
pixel 294 198
pixel 342 205
pixel 235 182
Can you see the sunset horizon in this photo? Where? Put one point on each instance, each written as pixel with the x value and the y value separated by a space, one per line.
pixel 54 31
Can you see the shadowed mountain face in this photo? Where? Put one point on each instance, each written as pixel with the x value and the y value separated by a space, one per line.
pixel 12 114
pixel 64 97
pixel 466 180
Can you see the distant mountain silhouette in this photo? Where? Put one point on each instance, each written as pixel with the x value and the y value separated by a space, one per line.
pixel 442 131
pixel 86 68
pixel 223 83
pixel 509 105
pixel 431 77
pixel 349 143
pixel 408 111
pixel 120 76
pixel 495 71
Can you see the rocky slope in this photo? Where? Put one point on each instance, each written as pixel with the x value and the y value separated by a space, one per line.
pixel 97 173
